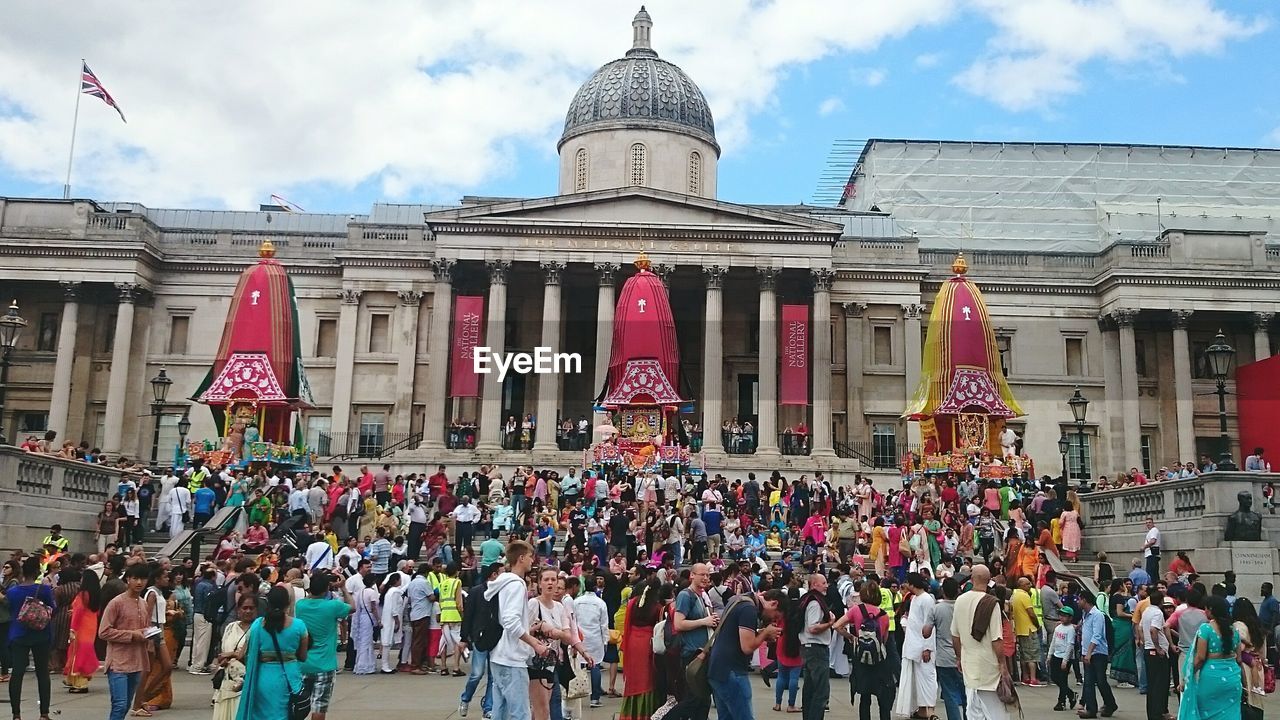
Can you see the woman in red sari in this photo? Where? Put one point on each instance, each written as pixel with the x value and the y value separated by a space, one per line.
pixel 82 659
pixel 640 697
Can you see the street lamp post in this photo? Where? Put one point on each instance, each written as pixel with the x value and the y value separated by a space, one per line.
pixel 1220 356
pixel 11 325
pixel 1079 405
pixel 159 391
pixel 1063 446
pixel 184 429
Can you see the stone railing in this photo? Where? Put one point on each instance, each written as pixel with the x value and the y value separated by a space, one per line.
pixel 37 491
pixel 1191 514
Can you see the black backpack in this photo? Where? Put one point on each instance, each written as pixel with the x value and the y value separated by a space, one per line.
pixel 214 603
pixel 487 630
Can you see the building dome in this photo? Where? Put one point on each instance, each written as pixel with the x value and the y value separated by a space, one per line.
pixel 640 91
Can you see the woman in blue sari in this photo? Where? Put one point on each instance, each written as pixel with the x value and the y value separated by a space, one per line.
pixel 276 644
pixel 1211 687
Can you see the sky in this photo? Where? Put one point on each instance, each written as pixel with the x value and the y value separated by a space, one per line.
pixel 337 105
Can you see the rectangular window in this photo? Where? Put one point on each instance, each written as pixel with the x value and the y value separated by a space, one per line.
pixel 372 425
pixel 379 333
pixel 326 338
pixel 169 438
pixel 1200 369
pixel 178 325
pixel 47 341
pixel 1004 343
pixel 884 444
pixel 318 438
pixel 1079 457
pixel 882 345
pixel 108 335
pixel 753 333
pixel 99 429
pixel 1075 356
pixel 1146 455
pixel 1140 357
pixel 33 422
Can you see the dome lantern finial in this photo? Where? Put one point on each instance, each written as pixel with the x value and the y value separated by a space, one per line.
pixel 960 266
pixel 641 27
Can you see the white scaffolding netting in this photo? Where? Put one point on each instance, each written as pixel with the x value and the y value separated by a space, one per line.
pixel 1064 198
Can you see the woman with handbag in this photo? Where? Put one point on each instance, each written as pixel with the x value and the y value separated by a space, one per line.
pixel 273 687
pixel 365 627
pixel 228 681
pixel 157 686
pixel 548 621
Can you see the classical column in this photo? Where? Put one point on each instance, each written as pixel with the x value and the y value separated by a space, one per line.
pixel 1184 401
pixel 607 273
pixel 343 369
pixel 821 363
pixel 1124 318
pixel 438 350
pixel 853 365
pixel 1262 335
pixel 1111 435
pixel 406 358
pixel 118 381
pixel 495 337
pixel 767 422
pixel 549 383
pixel 713 362
pixel 912 313
pixel 60 403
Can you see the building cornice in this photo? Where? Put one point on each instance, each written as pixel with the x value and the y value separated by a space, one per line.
pixel 441 230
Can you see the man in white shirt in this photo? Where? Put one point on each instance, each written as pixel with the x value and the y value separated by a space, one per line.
pixel 979 659
pixel 320 556
pixel 593 621
pixel 167 484
pixel 298 500
pixel 1151 549
pixel 417 525
pixel 179 506
pixel 465 517
pixel 918 690
pixel 1155 644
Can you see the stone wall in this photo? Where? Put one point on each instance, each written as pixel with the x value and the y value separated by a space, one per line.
pixel 37 491
pixel 1192 517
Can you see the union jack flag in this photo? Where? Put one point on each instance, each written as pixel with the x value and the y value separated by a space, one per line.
pixel 91 85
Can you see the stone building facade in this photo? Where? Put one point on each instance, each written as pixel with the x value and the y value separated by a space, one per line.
pixel 1103 284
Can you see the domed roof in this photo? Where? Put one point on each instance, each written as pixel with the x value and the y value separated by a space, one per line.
pixel 640 90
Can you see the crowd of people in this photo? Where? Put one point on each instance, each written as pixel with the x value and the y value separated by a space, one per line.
pixel 559 591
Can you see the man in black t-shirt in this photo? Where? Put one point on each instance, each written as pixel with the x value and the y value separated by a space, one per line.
pixel 577 527
pixel 735 642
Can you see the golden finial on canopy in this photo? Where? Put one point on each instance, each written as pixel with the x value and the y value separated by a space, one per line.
pixel 267 249
pixel 642 261
pixel 960 266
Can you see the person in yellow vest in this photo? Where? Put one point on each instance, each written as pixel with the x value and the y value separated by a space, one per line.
pixel 50 560
pixel 889 600
pixel 196 476
pixel 449 590
pixel 56 539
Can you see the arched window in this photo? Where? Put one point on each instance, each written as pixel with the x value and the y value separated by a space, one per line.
pixel 580 170
pixel 638 169
pixel 695 173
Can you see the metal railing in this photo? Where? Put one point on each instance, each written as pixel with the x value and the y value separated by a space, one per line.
pixel 791 443
pixel 359 445
pixel 879 455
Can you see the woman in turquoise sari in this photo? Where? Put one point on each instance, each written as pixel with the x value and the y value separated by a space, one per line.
pixel 1211 683
pixel 1124 665
pixel 271 674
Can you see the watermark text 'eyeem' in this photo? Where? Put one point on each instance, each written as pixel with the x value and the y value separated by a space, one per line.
pixel 542 361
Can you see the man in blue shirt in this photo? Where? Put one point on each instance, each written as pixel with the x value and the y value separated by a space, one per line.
pixel 713 519
pixel 202 504
pixel 1269 610
pixel 1138 576
pixel 1095 653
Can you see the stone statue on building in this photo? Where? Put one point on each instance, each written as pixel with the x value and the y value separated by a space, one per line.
pixel 1244 523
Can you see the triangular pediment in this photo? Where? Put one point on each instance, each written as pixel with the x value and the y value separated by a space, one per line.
pixel 634 206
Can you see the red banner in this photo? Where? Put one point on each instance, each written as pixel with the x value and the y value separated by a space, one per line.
pixel 793 388
pixel 468 327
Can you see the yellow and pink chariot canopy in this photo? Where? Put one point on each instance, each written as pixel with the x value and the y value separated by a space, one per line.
pixel 960 370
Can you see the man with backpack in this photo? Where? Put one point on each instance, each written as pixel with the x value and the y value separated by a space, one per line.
pixel 692 621
pixel 509 659
pixel 479 643
pixel 868 638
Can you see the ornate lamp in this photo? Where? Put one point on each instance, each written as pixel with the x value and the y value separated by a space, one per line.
pixel 11 325
pixel 1220 356
pixel 1079 405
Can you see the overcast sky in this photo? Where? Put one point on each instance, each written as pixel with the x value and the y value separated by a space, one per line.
pixel 336 105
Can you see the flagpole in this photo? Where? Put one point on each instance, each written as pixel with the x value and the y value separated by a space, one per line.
pixel 66 187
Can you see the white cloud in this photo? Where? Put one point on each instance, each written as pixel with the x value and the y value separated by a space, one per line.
pixel 229 102
pixel 1041 46
pixel 831 105
pixel 869 76
pixel 928 60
